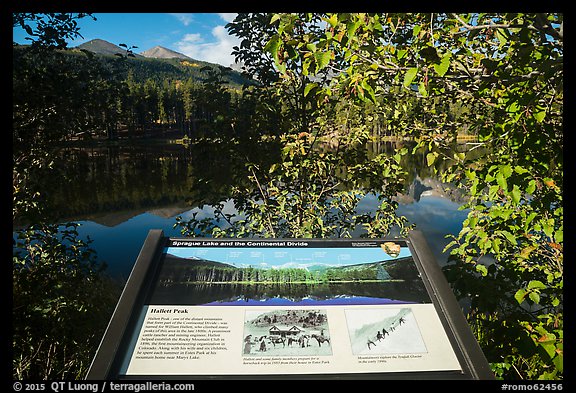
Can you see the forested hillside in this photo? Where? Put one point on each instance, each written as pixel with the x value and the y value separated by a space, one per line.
pixel 158 69
pixel 121 95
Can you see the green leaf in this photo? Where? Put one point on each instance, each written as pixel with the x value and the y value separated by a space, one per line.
pixel 502 181
pixel 459 156
pixel 548 227
pixel 351 28
pixel 559 362
pixel 500 34
pixel 274 18
pixel 559 236
pixel 409 76
pixel 493 191
pixel 513 107
pixel 430 158
pixel 510 237
pixel 368 89
pixel 422 89
pixel 530 218
pixel 531 187
pixel 322 59
pixel 539 116
pixel 550 348
pixel 535 284
pixel 470 174
pixel 496 244
pixel 333 20
pixel 444 65
pixel 309 87
pixel 474 186
pixel 273 45
pixel 520 295
pixel 535 297
pixel 516 194
pixel 506 170
pixel 305 67
pixel 482 270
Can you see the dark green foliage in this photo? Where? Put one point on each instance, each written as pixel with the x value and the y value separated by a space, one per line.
pixel 78 93
pixel 427 77
pixel 61 303
pixel 49 31
pixel 61 300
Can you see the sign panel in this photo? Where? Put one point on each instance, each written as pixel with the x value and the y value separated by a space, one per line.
pixel 237 307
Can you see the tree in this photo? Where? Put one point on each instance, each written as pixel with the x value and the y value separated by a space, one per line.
pixel 312 191
pixel 49 31
pixel 336 74
pixel 507 70
pixel 74 94
pixel 61 303
pixel 61 299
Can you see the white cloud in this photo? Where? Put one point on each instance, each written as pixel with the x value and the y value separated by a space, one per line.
pixel 185 19
pixel 228 17
pixel 190 39
pixel 216 50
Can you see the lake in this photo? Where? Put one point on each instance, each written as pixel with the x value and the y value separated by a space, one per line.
pixel 119 192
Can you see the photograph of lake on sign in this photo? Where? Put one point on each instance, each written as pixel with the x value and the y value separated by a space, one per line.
pixel 299 276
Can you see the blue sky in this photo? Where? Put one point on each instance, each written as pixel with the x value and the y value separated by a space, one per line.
pixel 201 36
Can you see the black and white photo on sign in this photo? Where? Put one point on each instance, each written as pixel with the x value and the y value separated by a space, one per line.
pixel 286 332
pixel 383 330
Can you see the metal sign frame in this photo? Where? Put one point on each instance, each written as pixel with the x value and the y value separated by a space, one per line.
pixel 123 325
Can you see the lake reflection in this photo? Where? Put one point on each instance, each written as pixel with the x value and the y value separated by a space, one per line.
pixel 299 294
pixel 118 193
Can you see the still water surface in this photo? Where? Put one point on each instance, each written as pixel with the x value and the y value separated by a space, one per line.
pixel 119 193
pixel 120 244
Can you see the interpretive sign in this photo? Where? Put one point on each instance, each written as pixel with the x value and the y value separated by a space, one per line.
pixel 231 308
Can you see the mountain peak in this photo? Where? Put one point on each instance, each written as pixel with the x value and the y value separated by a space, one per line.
pixel 102 47
pixel 159 52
